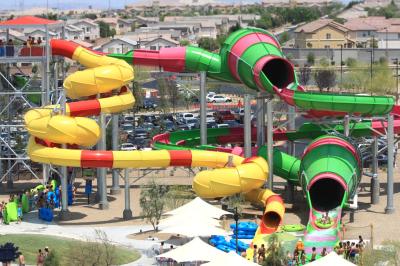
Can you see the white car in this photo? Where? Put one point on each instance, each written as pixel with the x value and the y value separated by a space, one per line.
pixel 128 147
pixel 210 118
pixel 218 99
pixel 183 117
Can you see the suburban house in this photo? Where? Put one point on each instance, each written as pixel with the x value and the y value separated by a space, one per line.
pixel 12 34
pixel 36 33
pixel 73 33
pixel 158 43
pixel 147 34
pixel 323 33
pixel 389 37
pixel 140 21
pixel 363 30
pixel 121 26
pixel 117 45
pixel 90 29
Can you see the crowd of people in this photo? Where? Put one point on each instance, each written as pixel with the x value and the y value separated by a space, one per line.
pixel 7 47
pixel 44 197
pixel 351 251
pixel 163 249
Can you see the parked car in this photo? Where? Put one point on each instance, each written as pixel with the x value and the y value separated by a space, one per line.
pixel 140 132
pixel 149 104
pixel 223 115
pixel 128 119
pixel 168 125
pixel 209 94
pixel 149 118
pixel 192 123
pixel 212 125
pixel 233 123
pixel 182 117
pixel 218 99
pixel 128 147
pixel 128 128
pixel 222 125
pixel 210 117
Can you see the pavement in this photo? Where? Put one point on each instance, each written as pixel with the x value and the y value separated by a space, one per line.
pixel 118 235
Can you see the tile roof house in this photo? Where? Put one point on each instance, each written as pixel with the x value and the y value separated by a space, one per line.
pixel 322 33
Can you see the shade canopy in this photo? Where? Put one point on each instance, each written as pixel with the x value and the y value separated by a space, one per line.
pixel 332 259
pixel 181 219
pixel 231 259
pixel 193 229
pixel 30 21
pixel 195 250
pixel 201 208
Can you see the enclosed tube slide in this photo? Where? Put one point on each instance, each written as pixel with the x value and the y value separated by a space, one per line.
pixel 108 77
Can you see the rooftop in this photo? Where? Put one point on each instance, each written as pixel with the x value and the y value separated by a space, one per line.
pixel 320 23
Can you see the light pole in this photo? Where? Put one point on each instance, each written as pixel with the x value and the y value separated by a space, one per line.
pixel 236 218
pixel 396 61
pixel 341 65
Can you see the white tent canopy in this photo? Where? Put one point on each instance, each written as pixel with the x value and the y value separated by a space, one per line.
pixel 201 208
pixel 195 250
pixel 184 218
pixel 193 229
pixel 332 259
pixel 231 259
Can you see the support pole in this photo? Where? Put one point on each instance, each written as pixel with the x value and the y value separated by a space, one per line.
pixel 115 137
pixel 270 144
pixel 390 144
pixel 374 180
pixel 260 120
pixel 203 109
pixel 127 214
pixel 64 174
pixel 346 125
pixel 247 125
pixel 102 180
pixel 291 150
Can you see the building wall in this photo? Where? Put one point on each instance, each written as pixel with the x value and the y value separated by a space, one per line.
pixel 325 37
pixel 157 44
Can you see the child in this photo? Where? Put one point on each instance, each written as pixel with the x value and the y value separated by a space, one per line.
pixel 19 212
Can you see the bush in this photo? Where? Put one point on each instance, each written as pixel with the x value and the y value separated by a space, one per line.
pixel 53 259
pixel 311 58
pixel 351 62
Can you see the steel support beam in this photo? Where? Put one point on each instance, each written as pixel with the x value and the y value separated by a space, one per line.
pixel 346 125
pixel 247 125
pixel 115 189
pixel 375 191
pixel 270 144
pixel 291 116
pixel 102 178
pixel 260 120
pixel 203 108
pixel 127 214
pixel 390 144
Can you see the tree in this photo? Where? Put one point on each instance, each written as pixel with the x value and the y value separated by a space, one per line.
pixel 92 16
pixel 311 59
pixel 106 30
pixel 235 201
pixel 208 43
pixel 275 252
pixel 325 78
pixel 351 62
pixel 9 252
pixel 305 75
pixel 184 42
pixel 152 203
pixel 284 37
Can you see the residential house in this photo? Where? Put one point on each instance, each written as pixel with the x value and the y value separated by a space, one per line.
pixel 72 32
pixel 12 34
pixel 389 37
pixel 160 42
pixel 90 29
pixel 117 45
pixel 120 25
pixel 145 34
pixel 323 33
pixel 140 21
pixel 363 30
pixel 36 33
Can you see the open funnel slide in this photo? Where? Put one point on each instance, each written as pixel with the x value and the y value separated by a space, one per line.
pixel 108 77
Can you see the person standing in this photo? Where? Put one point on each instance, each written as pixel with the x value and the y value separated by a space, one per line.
pixel 21 260
pixel 19 213
pixel 255 253
pixel 313 254
pixel 261 253
pixel 40 258
pixel 323 252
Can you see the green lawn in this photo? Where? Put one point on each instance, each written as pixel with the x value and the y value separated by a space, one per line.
pixel 29 245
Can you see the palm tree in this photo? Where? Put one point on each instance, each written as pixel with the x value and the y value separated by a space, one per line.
pixel 275 253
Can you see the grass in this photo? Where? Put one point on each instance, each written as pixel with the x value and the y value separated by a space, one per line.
pixel 29 245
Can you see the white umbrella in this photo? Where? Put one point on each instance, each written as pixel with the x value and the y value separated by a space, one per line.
pixel 195 250
pixel 200 207
pixel 231 259
pixel 332 259
pixel 183 218
pixel 193 229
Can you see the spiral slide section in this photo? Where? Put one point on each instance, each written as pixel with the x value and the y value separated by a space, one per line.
pixel 108 77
